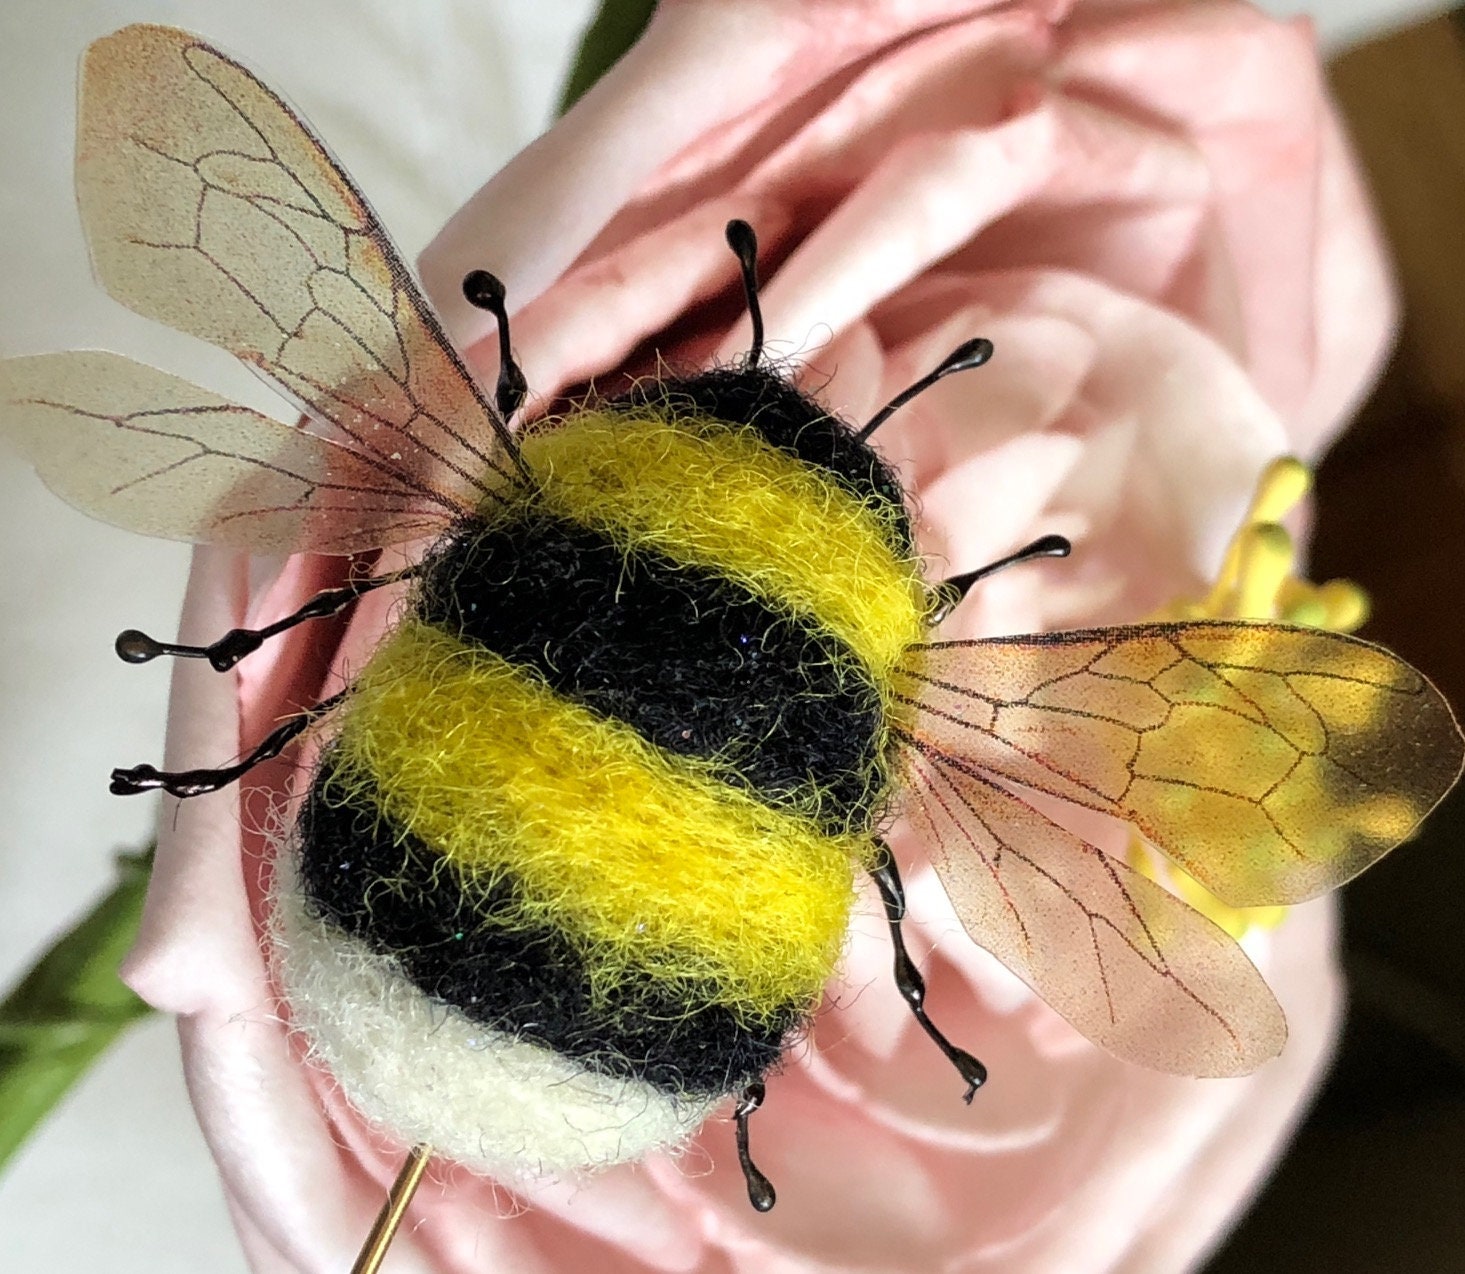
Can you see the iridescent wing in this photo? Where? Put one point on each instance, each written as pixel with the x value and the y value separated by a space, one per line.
pixel 209 205
pixel 146 451
pixel 1128 964
pixel 1271 763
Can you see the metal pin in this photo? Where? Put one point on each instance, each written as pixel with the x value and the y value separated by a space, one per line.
pixel 390 1218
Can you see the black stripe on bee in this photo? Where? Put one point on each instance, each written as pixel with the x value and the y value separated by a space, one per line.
pixel 693 661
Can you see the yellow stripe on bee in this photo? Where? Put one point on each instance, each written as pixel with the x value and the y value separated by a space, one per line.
pixel 658 867
pixel 707 494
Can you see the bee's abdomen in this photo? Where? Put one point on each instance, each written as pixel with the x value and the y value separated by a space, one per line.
pixel 467 943
pixel 468 815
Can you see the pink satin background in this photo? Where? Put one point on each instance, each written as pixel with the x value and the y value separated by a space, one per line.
pixel 1152 213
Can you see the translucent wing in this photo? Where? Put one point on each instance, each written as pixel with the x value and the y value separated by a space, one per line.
pixel 210 206
pixel 1272 763
pixel 152 453
pixel 1127 963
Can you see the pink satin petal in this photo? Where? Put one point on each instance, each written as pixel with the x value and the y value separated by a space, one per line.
pixel 1355 308
pixel 1201 434
pixel 922 203
pixel 625 1209
pixel 280 1165
pixel 542 210
pixel 1042 362
pixel 195 948
pixel 849 372
pixel 679 76
pixel 1221 1177
pixel 602 309
pixel 1271 139
pixel 1012 504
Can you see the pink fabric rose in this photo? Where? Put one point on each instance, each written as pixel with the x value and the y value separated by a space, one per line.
pixel 1151 211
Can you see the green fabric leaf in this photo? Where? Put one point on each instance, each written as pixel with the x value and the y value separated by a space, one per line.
pixel 616 27
pixel 69 1008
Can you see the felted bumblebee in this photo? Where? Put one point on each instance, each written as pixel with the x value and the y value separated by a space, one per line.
pixel 582 838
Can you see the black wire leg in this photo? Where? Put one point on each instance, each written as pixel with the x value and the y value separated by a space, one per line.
pixel 908 979
pixel 138 648
pixel 186 783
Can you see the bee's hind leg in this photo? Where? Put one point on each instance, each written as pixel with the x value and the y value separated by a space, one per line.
pixel 908 979
pixel 760 1189
pixel 139 648
pixel 186 783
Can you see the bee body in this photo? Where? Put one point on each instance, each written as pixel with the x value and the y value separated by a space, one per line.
pixel 604 794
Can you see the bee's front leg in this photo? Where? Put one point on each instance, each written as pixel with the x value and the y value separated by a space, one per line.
pixel 138 648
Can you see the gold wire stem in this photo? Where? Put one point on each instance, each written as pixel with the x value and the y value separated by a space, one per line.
pixel 399 1196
